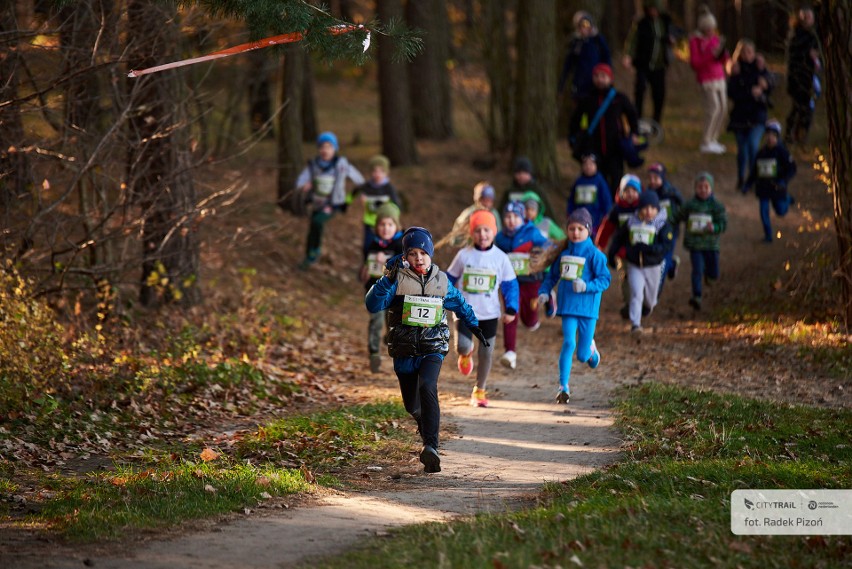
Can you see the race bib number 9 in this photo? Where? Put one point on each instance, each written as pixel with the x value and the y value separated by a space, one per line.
pixel 698 222
pixel 423 311
pixel 642 234
pixel 323 185
pixel 520 262
pixel 375 267
pixel 572 267
pixel 767 168
pixel 477 280
pixel 586 194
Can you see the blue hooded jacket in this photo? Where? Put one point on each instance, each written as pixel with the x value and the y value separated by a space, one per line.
pixel 522 240
pixel 603 200
pixel 596 274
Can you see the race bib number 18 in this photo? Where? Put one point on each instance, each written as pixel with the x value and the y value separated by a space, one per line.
pixel 423 311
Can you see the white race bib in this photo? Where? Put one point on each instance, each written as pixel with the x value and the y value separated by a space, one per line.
pixel 767 168
pixel 515 196
pixel 375 267
pixel 520 262
pixel 324 184
pixel 622 218
pixel 586 194
pixel 667 205
pixel 572 267
pixel 698 222
pixel 478 280
pixel 642 233
pixel 375 202
pixel 423 311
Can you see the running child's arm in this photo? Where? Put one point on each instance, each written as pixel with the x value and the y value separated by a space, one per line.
pixel 380 295
pixel 304 179
pixel 353 174
pixel 720 218
pixel 663 241
pixel 455 270
pixel 601 277
pixel 455 302
pixel 619 241
pixel 788 170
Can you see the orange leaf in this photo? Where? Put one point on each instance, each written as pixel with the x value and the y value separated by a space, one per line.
pixel 209 454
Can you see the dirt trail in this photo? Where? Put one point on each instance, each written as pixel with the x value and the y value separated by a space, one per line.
pixel 496 460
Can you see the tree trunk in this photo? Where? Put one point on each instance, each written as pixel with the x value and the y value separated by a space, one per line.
pixel 397 127
pixel 158 171
pixel 290 160
pixel 310 130
pixel 499 69
pixel 15 175
pixel 260 99
pixel 431 100
pixel 835 25
pixel 535 95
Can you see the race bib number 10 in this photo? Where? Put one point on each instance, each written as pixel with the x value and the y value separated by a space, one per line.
pixel 572 267
pixel 478 280
pixel 423 311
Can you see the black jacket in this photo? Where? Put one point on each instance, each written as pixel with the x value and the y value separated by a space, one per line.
pixel 606 138
pixel 748 111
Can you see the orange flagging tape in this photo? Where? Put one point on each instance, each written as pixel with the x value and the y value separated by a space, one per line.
pixel 259 44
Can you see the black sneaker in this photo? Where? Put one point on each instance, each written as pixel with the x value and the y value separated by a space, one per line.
pixel 645 310
pixel 695 302
pixel 430 459
pixel 562 397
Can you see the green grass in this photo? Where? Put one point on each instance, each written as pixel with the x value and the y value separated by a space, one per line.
pixel 666 505
pixel 170 486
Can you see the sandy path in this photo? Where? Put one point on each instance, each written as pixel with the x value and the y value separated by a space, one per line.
pixel 496 461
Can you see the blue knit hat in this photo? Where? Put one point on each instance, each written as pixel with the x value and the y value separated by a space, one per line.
pixel 629 180
pixel 522 164
pixel 418 238
pixel 649 198
pixel 329 137
pixel 515 207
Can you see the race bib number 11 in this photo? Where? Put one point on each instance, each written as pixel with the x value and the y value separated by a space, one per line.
pixel 423 311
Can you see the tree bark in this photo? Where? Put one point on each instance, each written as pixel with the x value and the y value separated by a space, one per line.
pixel 499 70
pixel 431 95
pixel 290 160
pixel 395 102
pixel 158 172
pixel 310 130
pixel 260 99
pixel 535 95
pixel 15 175
pixel 835 25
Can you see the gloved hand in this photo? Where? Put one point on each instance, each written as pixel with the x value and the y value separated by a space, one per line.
pixel 543 299
pixel 395 265
pixel 579 285
pixel 477 331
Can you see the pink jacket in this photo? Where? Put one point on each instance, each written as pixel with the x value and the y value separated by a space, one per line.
pixel 707 67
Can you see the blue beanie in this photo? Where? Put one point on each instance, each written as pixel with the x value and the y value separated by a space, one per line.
pixel 658 169
pixel 772 125
pixel 515 207
pixel 523 164
pixel 649 198
pixel 418 238
pixel 329 137
pixel 631 181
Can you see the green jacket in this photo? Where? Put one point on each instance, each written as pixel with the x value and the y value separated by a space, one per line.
pixel 547 226
pixel 705 221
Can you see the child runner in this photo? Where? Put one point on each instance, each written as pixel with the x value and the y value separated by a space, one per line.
pixel 706 220
pixel 535 212
pixel 670 200
pixel 580 269
pixel 647 237
pixel 483 198
pixel 385 244
pixel 483 269
pixel 375 192
pixel 771 173
pixel 415 293
pixel 325 178
pixel 522 242
pixel 626 203
pixel 523 181
pixel 591 192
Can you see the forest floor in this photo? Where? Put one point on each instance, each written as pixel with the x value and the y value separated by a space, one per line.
pixel 745 341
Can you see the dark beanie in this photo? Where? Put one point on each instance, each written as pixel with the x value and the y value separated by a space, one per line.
pixel 649 198
pixel 581 216
pixel 418 238
pixel 523 164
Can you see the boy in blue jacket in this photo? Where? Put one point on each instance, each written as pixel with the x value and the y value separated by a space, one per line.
pixel 416 294
pixel 521 241
pixel 580 270
pixel 591 192
pixel 770 175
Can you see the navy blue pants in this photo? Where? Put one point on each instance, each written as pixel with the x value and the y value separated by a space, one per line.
pixel 418 384
pixel 780 204
pixel 704 264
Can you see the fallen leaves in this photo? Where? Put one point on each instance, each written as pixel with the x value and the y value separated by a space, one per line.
pixel 209 455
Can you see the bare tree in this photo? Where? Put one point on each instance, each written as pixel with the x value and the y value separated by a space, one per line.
pixel 158 171
pixel 835 24
pixel 290 160
pixel 397 128
pixel 431 99
pixel 535 113
pixel 499 70
pixel 15 175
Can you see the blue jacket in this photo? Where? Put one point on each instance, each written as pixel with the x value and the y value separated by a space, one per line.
pixel 583 54
pixel 523 240
pixel 596 274
pixel 602 204
pixel 772 170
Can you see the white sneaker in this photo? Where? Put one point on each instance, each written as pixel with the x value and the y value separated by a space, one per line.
pixel 509 359
pixel 535 326
pixel 711 148
pixel 720 148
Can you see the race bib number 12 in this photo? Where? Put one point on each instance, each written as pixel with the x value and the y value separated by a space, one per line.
pixel 423 311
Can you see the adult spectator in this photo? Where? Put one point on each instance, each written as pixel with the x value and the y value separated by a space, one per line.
pixel 648 50
pixel 604 136
pixel 587 48
pixel 707 56
pixel 803 63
